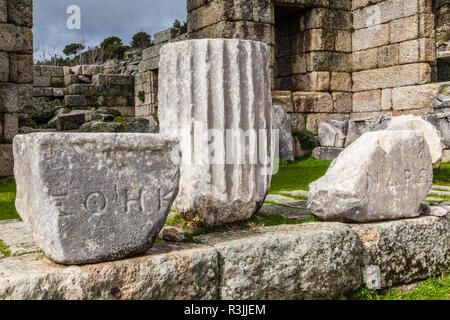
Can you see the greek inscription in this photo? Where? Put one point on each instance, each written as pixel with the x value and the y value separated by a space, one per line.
pixel 133 204
pixel 95 202
pixel 423 176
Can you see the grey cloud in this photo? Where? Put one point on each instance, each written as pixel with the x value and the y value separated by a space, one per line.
pixel 100 19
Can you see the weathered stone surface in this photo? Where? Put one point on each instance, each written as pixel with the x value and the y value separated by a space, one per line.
pixel 166 272
pixel 95 197
pixel 405 251
pixel 415 97
pixel 383 175
pixel 332 134
pixel 220 183
pixel 326 153
pixel 173 234
pixel 432 135
pixel 44 109
pixel 6 160
pixel 309 261
pixel 395 76
pixel 70 121
pixel 282 122
pixel 360 125
pixel 17 236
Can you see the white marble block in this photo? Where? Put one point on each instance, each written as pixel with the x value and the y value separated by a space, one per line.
pixel 211 90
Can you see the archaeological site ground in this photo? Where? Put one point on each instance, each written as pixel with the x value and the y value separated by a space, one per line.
pixel 263 150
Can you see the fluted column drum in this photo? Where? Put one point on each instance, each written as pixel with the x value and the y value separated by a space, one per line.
pixel 214 95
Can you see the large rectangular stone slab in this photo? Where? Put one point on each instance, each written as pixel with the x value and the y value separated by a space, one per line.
pixel 95 197
pixel 404 251
pixel 166 272
pixel 395 76
pixel 309 261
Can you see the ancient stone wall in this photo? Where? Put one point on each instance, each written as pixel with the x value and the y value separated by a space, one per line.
pixel 393 47
pixel 16 74
pixel 146 79
pixel 442 11
pixel 89 86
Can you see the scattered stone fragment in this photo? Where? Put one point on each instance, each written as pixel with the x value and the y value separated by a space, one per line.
pixel 95 197
pixel 282 122
pixel 173 234
pixel 70 121
pixel 332 134
pixel 432 135
pixel 326 153
pixel 383 175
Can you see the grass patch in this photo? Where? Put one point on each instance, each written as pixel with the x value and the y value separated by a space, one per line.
pixel 298 174
pixel 7 199
pixel 443 198
pixel 442 175
pixel 4 249
pixel 436 288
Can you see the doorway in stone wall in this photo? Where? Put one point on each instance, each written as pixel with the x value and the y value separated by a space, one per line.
pixel 289 64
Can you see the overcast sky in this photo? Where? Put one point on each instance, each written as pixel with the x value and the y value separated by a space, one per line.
pixel 100 19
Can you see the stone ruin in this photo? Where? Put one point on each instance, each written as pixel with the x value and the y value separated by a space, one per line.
pixel 82 184
pixel 334 60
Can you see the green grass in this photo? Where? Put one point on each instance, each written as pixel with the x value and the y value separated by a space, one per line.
pixel 4 250
pixel 433 289
pixel 7 199
pixel 444 198
pixel 298 174
pixel 442 175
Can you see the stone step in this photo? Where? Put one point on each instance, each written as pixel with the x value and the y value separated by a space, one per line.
pixel 296 193
pixel 279 199
pixel 321 261
pixel 289 213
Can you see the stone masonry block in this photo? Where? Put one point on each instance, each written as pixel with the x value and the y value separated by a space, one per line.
pixel 313 102
pixel 342 102
pixel 365 59
pixel 10 126
pixel 404 29
pixel 21 68
pixel 6 160
pixel 388 55
pixel 52 71
pixel 4 67
pixel 370 37
pixel 3 11
pixel 395 76
pixel 20 12
pixel 41 81
pixel 283 99
pixel 367 101
pixel 341 81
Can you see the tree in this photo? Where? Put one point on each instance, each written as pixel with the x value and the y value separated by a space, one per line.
pixel 112 48
pixel 181 27
pixel 73 49
pixel 141 40
pixel 110 42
